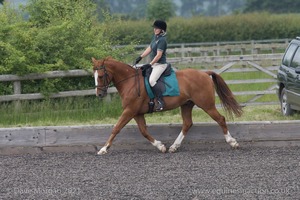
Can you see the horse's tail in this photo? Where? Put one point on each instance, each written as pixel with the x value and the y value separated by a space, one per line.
pixel 228 100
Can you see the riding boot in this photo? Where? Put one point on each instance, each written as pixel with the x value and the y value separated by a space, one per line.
pixel 159 97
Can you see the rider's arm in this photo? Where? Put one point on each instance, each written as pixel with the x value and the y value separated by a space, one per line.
pixel 146 52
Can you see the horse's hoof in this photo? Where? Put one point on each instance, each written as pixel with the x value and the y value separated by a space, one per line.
pixel 102 152
pixel 160 146
pixel 163 149
pixel 235 145
pixel 173 149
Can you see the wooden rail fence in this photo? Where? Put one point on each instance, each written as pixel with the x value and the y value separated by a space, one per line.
pixel 229 48
pixel 185 54
pixel 223 51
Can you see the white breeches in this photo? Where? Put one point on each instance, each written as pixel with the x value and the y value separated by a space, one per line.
pixel 157 70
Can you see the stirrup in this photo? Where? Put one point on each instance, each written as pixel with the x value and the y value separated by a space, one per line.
pixel 159 106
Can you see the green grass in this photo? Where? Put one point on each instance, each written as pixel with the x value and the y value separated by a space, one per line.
pixel 251 113
pixel 91 111
pixel 245 75
pixel 68 111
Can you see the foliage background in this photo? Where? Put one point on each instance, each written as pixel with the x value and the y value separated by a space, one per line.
pixel 62 35
pixel 47 35
pixel 59 35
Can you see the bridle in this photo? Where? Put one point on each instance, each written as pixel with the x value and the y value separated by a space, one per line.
pixel 106 80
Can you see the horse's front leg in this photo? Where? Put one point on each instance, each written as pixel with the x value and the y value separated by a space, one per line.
pixel 186 114
pixel 123 120
pixel 141 122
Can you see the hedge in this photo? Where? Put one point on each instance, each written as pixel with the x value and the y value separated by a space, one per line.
pixel 59 35
pixel 239 27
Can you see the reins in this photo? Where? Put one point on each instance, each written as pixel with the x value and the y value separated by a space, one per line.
pixel 107 79
pixel 138 82
pixel 136 76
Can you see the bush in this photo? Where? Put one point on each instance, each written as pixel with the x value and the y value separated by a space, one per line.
pixel 59 35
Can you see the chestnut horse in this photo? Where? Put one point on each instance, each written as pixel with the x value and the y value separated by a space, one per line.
pixel 196 88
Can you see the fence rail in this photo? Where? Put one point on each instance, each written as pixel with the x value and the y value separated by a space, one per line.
pixel 275 58
pixel 203 49
pixel 186 54
pixel 229 48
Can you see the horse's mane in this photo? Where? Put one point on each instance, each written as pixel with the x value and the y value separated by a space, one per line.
pixel 110 59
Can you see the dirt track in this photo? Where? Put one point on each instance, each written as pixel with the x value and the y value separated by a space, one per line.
pixel 141 172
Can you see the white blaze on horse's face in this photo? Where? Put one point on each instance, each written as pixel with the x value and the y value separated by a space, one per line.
pixel 96 80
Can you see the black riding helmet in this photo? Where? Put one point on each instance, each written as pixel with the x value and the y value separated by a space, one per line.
pixel 160 24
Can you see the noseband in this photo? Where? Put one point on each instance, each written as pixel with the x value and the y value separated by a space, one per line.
pixel 105 79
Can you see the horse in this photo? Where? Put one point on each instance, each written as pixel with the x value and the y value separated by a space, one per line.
pixel 196 88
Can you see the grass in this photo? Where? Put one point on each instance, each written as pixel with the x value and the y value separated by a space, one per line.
pixel 91 111
pixel 250 113
pixel 68 111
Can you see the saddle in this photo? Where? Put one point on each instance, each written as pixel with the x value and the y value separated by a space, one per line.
pixel 167 83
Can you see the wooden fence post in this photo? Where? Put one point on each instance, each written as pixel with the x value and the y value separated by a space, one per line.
pixel 182 51
pixel 17 90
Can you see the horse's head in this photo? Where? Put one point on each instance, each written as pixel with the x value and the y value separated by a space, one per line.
pixel 102 77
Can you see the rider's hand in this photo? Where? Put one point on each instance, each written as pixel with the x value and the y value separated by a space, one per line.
pixel 146 66
pixel 138 60
pixel 144 69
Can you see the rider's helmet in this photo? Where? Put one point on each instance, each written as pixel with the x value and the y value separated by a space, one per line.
pixel 160 24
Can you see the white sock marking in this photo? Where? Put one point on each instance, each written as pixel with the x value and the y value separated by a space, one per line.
pixel 159 145
pixel 230 140
pixel 96 78
pixel 177 142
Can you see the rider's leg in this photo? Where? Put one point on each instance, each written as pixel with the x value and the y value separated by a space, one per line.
pixel 157 70
pixel 159 97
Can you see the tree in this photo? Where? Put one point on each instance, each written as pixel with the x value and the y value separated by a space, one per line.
pixel 125 9
pixel 191 7
pixel 157 9
pixel 102 7
pixel 273 6
pixel 1 2
pixel 59 35
pixel 69 33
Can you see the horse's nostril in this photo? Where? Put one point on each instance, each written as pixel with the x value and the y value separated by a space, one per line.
pixel 101 95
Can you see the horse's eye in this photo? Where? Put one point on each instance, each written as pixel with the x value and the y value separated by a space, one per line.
pixel 100 77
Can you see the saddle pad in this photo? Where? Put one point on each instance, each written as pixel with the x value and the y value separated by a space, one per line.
pixel 171 84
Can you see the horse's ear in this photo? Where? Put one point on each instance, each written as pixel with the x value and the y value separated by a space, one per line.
pixel 93 59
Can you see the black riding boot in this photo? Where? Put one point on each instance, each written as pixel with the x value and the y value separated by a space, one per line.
pixel 159 97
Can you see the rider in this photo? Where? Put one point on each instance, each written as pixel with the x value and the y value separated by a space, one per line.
pixel 157 50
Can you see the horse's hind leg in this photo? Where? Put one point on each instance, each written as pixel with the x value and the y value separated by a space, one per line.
pixel 214 114
pixel 141 122
pixel 186 113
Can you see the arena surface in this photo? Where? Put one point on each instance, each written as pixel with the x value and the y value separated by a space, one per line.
pixel 196 172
